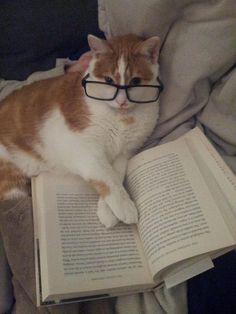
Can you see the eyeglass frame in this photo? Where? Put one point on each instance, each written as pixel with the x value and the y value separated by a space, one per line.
pixel 160 87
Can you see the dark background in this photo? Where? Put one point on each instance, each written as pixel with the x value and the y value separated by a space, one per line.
pixel 33 33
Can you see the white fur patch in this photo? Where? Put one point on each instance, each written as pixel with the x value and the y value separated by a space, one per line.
pixel 61 146
pixel 121 70
pixel 91 66
pixel 15 193
pixel 24 161
pixel 4 153
pixel 29 165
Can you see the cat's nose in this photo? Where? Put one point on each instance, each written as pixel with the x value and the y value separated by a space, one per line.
pixel 123 105
pixel 121 98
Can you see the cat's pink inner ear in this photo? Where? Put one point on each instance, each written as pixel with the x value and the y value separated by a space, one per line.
pixel 98 45
pixel 151 48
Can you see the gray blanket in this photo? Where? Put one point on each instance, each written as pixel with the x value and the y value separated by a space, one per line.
pixel 198 59
pixel 198 70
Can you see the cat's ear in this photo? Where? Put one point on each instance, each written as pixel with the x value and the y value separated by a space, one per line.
pixel 97 44
pixel 150 48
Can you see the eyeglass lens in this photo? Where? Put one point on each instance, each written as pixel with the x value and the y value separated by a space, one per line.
pixel 103 91
pixel 135 93
pixel 143 93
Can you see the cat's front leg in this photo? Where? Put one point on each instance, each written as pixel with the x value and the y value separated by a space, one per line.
pixel 96 170
pixel 104 212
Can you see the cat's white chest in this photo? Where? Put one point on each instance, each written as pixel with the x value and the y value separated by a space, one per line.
pixel 108 134
pixel 119 135
pixel 123 133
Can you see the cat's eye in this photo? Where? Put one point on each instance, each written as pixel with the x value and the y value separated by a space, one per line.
pixel 135 81
pixel 108 80
pixel 137 93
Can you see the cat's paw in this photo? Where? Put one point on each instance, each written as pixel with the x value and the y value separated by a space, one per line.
pixel 125 211
pixel 130 212
pixel 105 214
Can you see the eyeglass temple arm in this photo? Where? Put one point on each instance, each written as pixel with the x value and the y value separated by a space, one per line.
pixel 83 81
pixel 160 82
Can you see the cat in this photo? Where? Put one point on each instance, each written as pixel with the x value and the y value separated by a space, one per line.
pixel 55 125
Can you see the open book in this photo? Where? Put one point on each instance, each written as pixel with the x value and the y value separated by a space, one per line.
pixel 185 195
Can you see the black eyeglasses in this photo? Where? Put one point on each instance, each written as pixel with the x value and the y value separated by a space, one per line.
pixel 135 93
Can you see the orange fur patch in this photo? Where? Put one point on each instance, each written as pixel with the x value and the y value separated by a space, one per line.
pixel 101 187
pixel 127 47
pixel 22 112
pixel 128 120
pixel 11 178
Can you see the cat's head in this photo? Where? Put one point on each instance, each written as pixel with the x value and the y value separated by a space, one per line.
pixel 124 60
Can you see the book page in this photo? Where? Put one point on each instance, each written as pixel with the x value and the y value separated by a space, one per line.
pixel 179 218
pixel 78 254
pixel 188 272
pixel 220 180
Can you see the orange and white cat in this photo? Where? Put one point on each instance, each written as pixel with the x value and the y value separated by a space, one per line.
pixel 52 125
